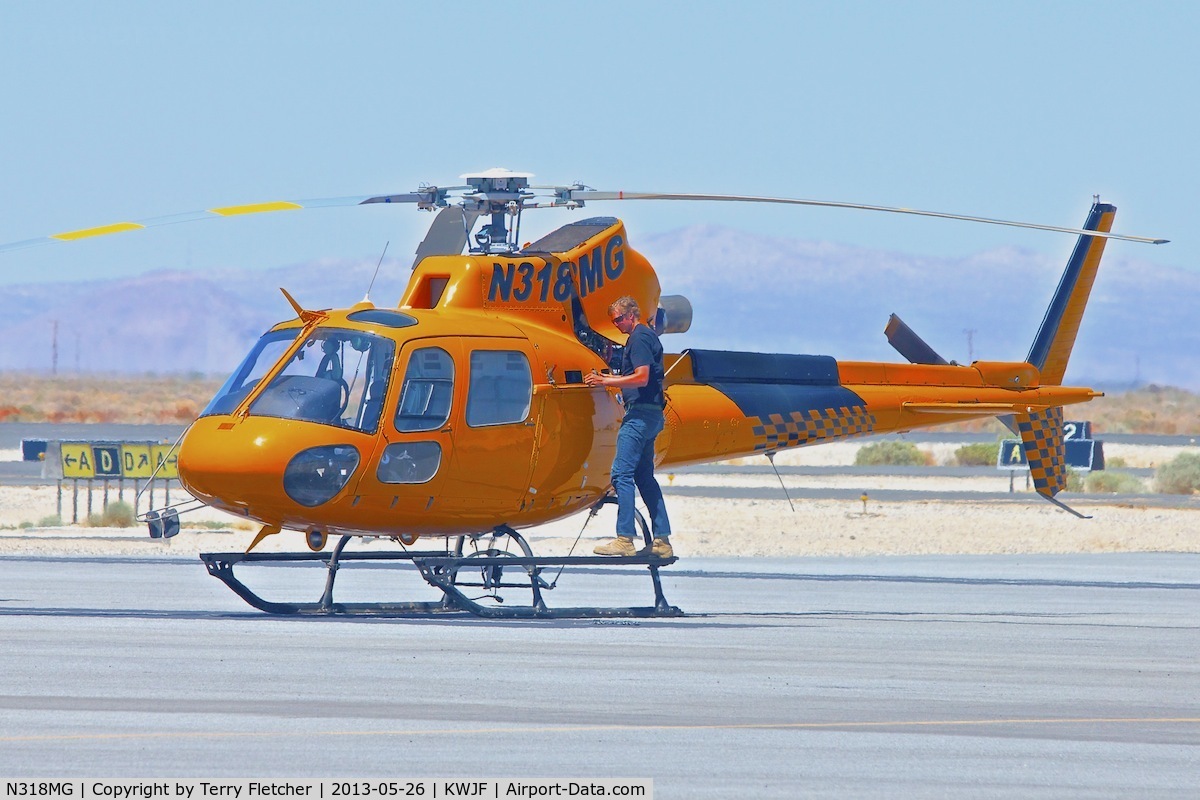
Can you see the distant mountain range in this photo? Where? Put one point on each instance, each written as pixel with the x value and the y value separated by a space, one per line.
pixel 749 292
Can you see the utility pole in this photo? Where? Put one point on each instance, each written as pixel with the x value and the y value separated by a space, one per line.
pixel 54 351
pixel 970 332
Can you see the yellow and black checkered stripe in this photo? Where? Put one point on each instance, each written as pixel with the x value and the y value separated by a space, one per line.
pixel 779 431
pixel 1042 438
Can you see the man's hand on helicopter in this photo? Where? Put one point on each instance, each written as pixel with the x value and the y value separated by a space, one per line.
pixel 634 380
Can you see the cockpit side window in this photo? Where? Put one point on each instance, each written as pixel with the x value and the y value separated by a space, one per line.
pixel 501 388
pixel 428 390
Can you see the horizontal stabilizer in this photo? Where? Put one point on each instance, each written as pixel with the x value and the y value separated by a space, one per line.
pixel 971 408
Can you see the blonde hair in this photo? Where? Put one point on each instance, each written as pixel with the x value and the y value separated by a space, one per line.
pixel 626 305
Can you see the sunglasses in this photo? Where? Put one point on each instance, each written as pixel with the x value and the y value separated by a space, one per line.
pixel 617 319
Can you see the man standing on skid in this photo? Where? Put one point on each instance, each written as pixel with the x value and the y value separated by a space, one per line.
pixel 641 385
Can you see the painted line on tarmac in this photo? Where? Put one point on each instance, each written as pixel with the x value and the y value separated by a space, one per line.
pixel 556 729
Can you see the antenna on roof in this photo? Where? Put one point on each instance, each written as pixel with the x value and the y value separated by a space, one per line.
pixel 367 296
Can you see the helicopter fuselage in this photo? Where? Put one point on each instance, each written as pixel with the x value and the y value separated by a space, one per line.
pixel 461 409
pixel 464 407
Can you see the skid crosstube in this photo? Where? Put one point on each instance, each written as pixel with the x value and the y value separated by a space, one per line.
pixel 442 570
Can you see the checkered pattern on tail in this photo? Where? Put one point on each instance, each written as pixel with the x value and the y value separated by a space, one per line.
pixel 775 432
pixel 1042 438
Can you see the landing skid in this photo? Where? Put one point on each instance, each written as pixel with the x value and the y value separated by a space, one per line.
pixel 455 572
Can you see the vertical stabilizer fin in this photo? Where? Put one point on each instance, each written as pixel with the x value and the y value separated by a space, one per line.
pixel 1046 453
pixel 1052 347
pixel 1045 450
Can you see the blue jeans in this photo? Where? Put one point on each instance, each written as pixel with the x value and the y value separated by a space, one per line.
pixel 633 466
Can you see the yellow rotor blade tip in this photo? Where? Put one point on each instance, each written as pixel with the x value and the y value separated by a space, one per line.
pixel 85 233
pixel 255 208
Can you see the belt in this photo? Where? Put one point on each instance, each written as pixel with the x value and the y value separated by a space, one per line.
pixel 647 405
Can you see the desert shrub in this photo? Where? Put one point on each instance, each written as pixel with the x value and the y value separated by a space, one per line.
pixel 52 521
pixel 891 454
pixel 1116 462
pixel 25 525
pixel 119 515
pixel 116 515
pixel 1074 481
pixel 1114 482
pixel 980 454
pixel 1181 475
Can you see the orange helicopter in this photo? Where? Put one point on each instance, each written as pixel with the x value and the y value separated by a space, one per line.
pixel 461 413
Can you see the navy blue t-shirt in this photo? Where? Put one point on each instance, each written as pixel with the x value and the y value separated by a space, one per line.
pixel 643 349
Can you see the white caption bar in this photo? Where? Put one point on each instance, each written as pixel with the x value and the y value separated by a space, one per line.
pixel 424 788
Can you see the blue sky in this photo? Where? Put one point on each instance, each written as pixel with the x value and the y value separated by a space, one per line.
pixel 1021 110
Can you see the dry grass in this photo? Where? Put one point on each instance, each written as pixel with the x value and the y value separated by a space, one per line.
pixel 1152 409
pixel 28 397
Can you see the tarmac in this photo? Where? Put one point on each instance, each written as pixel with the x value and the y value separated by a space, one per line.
pixel 933 676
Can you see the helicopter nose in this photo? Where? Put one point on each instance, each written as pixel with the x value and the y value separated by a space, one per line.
pixel 265 467
pixel 229 464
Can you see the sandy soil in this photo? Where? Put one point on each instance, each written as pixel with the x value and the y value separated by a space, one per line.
pixel 704 527
pixel 725 527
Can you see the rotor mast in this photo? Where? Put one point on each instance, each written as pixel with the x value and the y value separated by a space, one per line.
pixel 497 193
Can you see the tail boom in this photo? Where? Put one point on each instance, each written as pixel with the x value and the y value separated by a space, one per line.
pixel 727 405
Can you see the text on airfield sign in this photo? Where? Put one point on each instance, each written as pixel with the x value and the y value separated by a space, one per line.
pixel 136 461
pixel 118 460
pixel 108 460
pixel 77 460
pixel 166 461
pixel 1080 450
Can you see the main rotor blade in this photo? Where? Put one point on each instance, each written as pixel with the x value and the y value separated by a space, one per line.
pixel 908 344
pixel 429 198
pixel 589 195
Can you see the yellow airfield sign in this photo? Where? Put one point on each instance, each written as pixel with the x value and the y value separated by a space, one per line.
pixel 136 460
pixel 161 455
pixel 77 460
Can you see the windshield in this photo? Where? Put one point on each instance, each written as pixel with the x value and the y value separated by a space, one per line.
pixel 268 350
pixel 337 377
